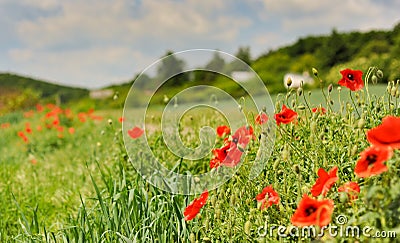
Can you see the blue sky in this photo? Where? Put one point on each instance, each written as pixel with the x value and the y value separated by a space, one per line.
pixel 94 43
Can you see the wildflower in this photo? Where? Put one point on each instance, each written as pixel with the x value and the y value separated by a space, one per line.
pixel 261 118
pixel 5 125
pixel 268 197
pixel 229 155
pixel 313 212
pixel 386 134
pixel 351 79
pixel 324 182
pixel 320 110
pixel 351 188
pixel 223 130
pixel 39 108
pixel 194 208
pixel 243 136
pixel 372 161
pixel 285 116
pixel 23 136
pixel 121 119
pixel 71 130
pixel 135 132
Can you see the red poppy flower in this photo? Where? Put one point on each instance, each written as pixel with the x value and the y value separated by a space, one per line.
pixel 23 136
pixel 267 197
pixel 285 116
pixel 121 119
pixel 39 108
pixel 223 130
pixel 135 132
pixel 313 212
pixel 324 182
pixel 71 130
pixel 372 161
pixel 351 79
pixel 229 155
pixel 5 125
pixel 321 110
pixel 261 118
pixel 351 188
pixel 386 134
pixel 243 136
pixel 194 208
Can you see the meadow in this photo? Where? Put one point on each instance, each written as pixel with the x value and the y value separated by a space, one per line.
pixel 66 175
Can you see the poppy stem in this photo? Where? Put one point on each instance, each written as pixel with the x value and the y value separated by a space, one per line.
pixel 354 104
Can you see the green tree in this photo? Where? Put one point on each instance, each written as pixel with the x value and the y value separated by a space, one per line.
pixel 170 69
pixel 334 51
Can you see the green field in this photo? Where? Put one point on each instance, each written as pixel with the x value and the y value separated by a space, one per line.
pixel 78 185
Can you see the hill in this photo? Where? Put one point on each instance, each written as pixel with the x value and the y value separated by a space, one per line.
pixel 19 92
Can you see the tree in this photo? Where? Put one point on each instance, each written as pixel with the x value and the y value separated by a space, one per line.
pixel 171 69
pixel 334 51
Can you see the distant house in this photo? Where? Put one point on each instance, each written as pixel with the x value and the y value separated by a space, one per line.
pixel 101 94
pixel 297 78
pixel 242 76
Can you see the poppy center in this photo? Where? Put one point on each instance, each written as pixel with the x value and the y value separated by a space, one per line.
pixel 310 210
pixel 371 158
pixel 235 140
pixel 350 76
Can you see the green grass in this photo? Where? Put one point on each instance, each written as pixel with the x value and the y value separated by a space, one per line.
pixel 84 188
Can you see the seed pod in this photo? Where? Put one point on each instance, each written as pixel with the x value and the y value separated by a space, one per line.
pixel 247 227
pixel 109 121
pixel 331 102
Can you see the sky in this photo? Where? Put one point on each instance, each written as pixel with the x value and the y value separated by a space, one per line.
pixel 95 43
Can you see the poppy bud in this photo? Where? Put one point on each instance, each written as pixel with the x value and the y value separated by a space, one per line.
pixel 330 87
pixel 331 102
pixel 299 91
pixel 247 227
pixel 361 123
pixel 192 238
pixel 315 72
pixel 393 91
pixel 313 126
pixel 343 197
pixel 165 99
pixel 301 107
pixel 289 81
pixel 374 79
pixel 233 199
pixel 379 73
pixel 354 150
pixel 285 154
pixel 296 169
pixel 276 164
pixel 389 87
pixel 293 103
pixel 206 239
pixel 213 200
pixel 339 89
pixel 110 122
